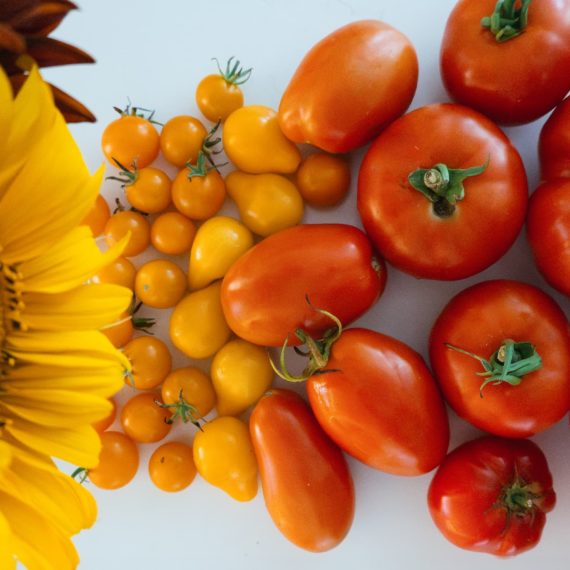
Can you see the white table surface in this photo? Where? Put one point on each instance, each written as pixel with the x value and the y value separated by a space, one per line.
pixel 155 53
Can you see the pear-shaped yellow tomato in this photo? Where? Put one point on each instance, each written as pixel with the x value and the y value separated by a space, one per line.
pixel 197 324
pixel 224 456
pixel 254 142
pixel 218 243
pixel 267 203
pixel 241 373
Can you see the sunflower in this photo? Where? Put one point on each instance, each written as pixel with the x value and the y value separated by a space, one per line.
pixel 57 370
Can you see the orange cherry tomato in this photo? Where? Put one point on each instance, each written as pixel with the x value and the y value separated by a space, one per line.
pixel 323 179
pixel 218 95
pixel 97 216
pixel 130 140
pixel 148 189
pixel 121 223
pixel 144 420
pixel 171 467
pixel 172 233
pixel 160 283
pixel 118 461
pixel 104 423
pixel 151 362
pixel 199 197
pixel 120 332
pixel 119 272
pixel 181 140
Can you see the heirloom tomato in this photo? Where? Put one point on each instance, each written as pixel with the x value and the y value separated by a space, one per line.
pixel 548 227
pixel 264 294
pixel 554 143
pixel 508 59
pixel 306 482
pixel 171 466
pixel 349 86
pixel 492 495
pixel 501 352
pixel 433 188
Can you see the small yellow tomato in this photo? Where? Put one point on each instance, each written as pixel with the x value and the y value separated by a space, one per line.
pixel 241 373
pixel 267 203
pixel 160 283
pixel 104 423
pixel 172 233
pixel 181 139
pixel 323 179
pixel 147 189
pixel 219 242
pixel 171 467
pixel 97 216
pixel 224 457
pixel 119 272
pixel 197 324
pixel 151 362
pixel 253 141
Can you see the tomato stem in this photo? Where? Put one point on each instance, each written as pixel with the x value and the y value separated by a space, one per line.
pixel 234 74
pixel 509 363
pixel 183 410
pixel 443 186
pixel 80 475
pixel 507 21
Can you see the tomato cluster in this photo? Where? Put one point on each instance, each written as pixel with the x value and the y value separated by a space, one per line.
pixel 434 188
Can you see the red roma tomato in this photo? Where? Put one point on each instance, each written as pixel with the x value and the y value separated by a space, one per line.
pixel 548 227
pixel 554 143
pixel 378 380
pixel 306 483
pixel 331 264
pixel 435 186
pixel 512 75
pixel 501 352
pixel 349 86
pixel 492 495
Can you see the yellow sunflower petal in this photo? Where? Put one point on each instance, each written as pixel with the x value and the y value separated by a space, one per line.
pixel 80 445
pixel 5 457
pixel 59 408
pixel 68 264
pixel 37 543
pixel 7 561
pixel 86 307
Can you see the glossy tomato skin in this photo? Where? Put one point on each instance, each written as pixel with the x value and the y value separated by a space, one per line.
pixel 513 82
pixel 401 221
pixel 377 382
pixel 264 293
pixel 306 482
pixel 478 320
pixel 349 86
pixel 554 143
pixel 464 496
pixel 548 226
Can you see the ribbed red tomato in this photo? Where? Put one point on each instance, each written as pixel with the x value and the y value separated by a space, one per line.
pixel 554 143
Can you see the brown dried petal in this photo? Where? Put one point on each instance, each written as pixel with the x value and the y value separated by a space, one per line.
pixel 12 8
pixel 49 52
pixel 10 40
pixel 42 19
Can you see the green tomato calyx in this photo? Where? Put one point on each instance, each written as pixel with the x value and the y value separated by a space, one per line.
pixel 509 19
pixel 234 74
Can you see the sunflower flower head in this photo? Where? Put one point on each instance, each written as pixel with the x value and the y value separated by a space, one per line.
pixel 57 370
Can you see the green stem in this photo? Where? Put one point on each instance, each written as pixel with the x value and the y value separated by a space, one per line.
pixel 183 410
pixel 507 21
pixel 234 74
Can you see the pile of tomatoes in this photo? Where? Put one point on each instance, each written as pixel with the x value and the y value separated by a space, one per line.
pixel 445 172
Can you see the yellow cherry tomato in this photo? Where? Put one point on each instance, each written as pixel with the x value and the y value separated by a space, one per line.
pixel 104 423
pixel 267 203
pixel 253 141
pixel 181 140
pixel 224 457
pixel 119 272
pixel 160 283
pixel 197 324
pixel 151 362
pixel 241 373
pixel 219 95
pixel 172 233
pixel 219 242
pixel 171 467
pixel 144 420
pixel 121 331
pixel 323 179
pixel 120 224
pixel 147 189
pixel 97 216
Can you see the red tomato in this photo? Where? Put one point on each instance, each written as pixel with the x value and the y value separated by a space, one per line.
pixel 332 264
pixel 307 486
pixel 520 399
pixel 515 80
pixel 548 227
pixel 492 495
pixel 442 231
pixel 376 381
pixel 349 86
pixel 554 143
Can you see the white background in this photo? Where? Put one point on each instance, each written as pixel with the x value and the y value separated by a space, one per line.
pixel 155 53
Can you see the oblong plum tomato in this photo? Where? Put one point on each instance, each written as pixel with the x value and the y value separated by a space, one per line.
pixel 375 381
pixel 492 495
pixel 433 188
pixel 554 143
pixel 332 265
pixel 349 86
pixel 306 482
pixel 501 353
pixel 548 227
pixel 493 57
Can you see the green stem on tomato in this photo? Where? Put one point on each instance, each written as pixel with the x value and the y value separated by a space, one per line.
pixel 507 21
